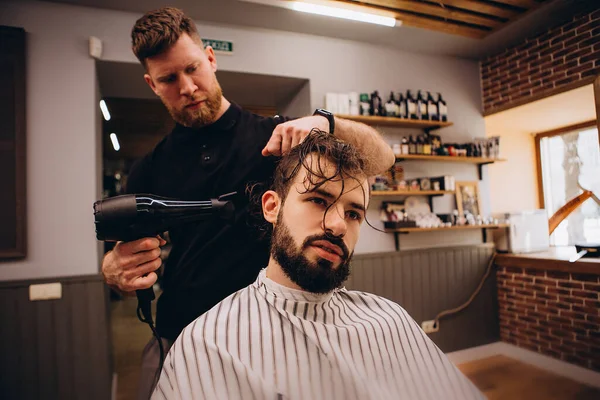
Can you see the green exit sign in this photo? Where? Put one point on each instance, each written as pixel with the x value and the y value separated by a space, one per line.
pixel 221 46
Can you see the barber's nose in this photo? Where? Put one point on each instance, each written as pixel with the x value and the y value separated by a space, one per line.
pixel 335 222
pixel 188 87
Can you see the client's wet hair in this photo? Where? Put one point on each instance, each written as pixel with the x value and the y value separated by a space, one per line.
pixel 316 154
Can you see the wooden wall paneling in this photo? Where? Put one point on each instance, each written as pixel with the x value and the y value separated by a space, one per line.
pixel 426 282
pixel 55 349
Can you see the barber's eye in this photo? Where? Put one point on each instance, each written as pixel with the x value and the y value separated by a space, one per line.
pixel 191 69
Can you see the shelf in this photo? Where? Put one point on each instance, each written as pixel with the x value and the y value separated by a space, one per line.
pixel 467 160
pixel 396 122
pixel 405 231
pixel 479 161
pixel 451 228
pixel 411 192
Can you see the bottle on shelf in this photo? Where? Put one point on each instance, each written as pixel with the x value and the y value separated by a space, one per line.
pixel 391 107
pixel 419 145
pixel 432 108
pixel 436 144
pixel 421 106
pixel 427 145
pixel 411 106
pixel 442 108
pixel 405 149
pixel 365 105
pixel 401 106
pixel 412 146
pixel 376 106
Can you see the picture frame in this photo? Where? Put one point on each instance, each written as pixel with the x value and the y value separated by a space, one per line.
pixel 468 197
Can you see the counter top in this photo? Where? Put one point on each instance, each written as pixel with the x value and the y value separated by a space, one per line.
pixel 555 258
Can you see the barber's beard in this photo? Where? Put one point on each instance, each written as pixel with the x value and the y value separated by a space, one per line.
pixel 204 115
pixel 315 277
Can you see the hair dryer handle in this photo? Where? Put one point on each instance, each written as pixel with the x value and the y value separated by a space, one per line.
pixel 145 297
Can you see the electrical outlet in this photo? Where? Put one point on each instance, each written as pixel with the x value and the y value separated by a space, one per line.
pixel 430 326
pixel 46 291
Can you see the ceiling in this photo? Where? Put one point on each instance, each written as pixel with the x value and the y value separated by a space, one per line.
pixel 470 18
pixel 471 29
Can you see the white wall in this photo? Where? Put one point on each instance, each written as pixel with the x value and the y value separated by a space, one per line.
pixel 61 111
pixel 516 128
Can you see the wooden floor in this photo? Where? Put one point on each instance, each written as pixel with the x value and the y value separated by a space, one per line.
pixel 501 377
pixel 129 338
pixel 498 377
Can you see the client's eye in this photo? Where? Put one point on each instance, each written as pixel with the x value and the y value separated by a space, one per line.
pixel 319 201
pixel 354 215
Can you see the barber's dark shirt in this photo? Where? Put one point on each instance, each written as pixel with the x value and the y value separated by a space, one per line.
pixel 209 260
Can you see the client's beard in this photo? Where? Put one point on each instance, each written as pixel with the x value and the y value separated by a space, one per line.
pixel 204 115
pixel 315 277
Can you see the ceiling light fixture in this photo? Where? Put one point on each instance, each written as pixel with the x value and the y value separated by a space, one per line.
pixel 104 109
pixel 115 141
pixel 342 13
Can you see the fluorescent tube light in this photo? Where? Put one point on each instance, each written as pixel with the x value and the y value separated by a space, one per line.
pixel 104 109
pixel 343 13
pixel 115 141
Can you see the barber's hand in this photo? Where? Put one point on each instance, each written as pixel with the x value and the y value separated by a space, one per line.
pixel 130 265
pixel 290 134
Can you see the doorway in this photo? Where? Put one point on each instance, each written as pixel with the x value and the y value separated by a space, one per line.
pixel 138 121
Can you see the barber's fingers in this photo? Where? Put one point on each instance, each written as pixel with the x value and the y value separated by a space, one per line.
pixel 273 147
pixel 144 282
pixel 139 259
pixel 140 245
pixel 286 140
pixel 138 276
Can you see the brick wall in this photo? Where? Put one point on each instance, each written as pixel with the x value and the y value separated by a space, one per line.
pixel 551 312
pixel 554 61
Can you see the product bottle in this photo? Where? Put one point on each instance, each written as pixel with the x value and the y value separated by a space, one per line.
pixel 391 108
pixel 442 108
pixel 365 105
pixel 412 146
pixel 405 149
pixel 427 146
pixel 421 106
pixel 411 106
pixel 419 145
pixel 432 108
pixel 401 106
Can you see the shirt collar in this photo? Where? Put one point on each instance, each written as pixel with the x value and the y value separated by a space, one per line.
pixel 289 293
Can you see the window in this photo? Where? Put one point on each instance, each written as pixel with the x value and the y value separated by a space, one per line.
pixel 569 159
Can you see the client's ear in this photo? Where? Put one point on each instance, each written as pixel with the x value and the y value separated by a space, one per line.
pixel 270 206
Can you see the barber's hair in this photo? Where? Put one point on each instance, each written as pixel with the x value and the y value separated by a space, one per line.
pixel 318 150
pixel 158 30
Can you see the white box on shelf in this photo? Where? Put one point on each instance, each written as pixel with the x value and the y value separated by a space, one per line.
pixel 331 103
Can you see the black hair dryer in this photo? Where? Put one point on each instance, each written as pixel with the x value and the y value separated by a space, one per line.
pixel 135 216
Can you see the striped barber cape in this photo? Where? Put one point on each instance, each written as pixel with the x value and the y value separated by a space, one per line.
pixel 268 341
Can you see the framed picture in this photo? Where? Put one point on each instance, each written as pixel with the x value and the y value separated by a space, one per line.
pixel 467 198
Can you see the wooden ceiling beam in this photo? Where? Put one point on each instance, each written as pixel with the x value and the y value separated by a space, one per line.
pixel 527 4
pixel 430 9
pixel 440 26
pixel 480 7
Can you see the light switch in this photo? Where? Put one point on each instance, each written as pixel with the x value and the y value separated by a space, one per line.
pixel 45 291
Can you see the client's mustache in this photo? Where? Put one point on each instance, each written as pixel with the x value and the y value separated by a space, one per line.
pixel 331 239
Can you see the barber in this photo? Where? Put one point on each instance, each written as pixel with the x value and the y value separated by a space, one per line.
pixel 215 148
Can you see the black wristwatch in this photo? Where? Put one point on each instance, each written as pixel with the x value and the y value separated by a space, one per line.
pixel 329 116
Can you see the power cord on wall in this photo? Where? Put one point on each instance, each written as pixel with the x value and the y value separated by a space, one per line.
pixel 436 320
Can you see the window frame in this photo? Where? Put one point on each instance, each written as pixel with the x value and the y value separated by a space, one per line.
pixel 538 157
